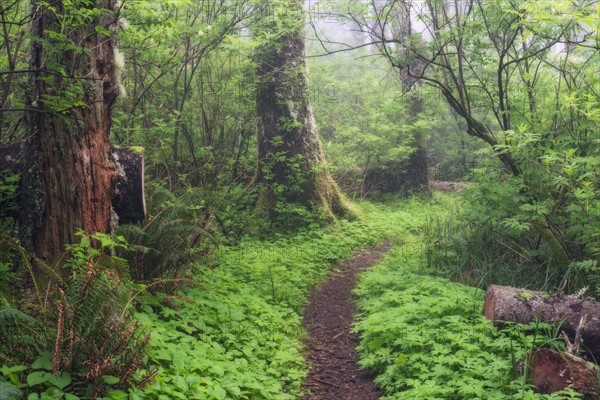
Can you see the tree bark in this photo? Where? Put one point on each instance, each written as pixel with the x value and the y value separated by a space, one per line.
pixel 507 304
pixel 292 167
pixel 129 202
pixel 554 370
pixel 72 177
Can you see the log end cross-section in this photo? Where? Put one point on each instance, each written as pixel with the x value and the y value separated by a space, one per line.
pixel 554 371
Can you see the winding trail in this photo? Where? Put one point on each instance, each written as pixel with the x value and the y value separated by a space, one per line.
pixel 331 348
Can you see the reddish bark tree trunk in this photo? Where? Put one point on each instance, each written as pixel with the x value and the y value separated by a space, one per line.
pixel 72 180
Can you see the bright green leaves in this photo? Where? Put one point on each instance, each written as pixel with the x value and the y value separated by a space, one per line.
pixel 65 38
pixel 276 19
pixel 60 381
pixel 37 380
pixel 425 338
pixel 44 362
pixel 37 377
pixel 68 99
pixel 110 380
pixel 237 335
pixel 221 346
pixel 284 173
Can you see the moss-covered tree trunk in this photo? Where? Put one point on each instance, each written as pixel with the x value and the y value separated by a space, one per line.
pixel 71 180
pixel 292 170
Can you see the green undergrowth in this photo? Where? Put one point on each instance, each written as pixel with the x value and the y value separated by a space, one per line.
pixel 425 337
pixel 236 333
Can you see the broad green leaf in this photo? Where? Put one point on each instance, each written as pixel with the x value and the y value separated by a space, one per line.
pixel 110 380
pixel 37 377
pixel 43 362
pixel 62 380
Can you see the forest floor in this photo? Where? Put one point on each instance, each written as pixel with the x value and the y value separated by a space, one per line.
pixel 331 353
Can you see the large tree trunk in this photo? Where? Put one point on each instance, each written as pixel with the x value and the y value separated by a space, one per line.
pixel 292 167
pixel 525 306
pixel 71 180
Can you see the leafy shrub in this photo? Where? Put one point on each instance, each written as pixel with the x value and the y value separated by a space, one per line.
pixel 234 212
pixel 499 234
pixel 460 245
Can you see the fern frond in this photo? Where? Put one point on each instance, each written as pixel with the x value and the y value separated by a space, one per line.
pixel 9 314
pixel 9 391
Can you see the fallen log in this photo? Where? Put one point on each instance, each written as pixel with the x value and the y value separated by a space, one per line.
pixel 555 370
pixel 129 202
pixel 508 304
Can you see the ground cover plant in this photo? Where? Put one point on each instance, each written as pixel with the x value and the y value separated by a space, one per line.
pixel 236 333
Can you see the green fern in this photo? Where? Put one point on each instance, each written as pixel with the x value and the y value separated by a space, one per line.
pixel 9 391
pixel 10 316
pixel 167 243
pixel 83 328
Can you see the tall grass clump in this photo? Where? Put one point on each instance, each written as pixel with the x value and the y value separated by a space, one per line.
pixel 477 246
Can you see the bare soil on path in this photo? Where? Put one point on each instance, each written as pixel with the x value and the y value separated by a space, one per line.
pixel 331 348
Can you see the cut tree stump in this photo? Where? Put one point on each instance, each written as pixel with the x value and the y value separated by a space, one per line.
pixel 129 202
pixel 555 370
pixel 508 304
